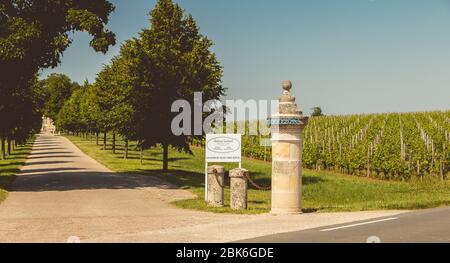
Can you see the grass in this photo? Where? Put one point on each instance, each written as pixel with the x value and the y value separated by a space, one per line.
pixel 322 191
pixel 11 166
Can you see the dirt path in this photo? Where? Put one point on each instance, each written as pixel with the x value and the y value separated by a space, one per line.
pixel 62 192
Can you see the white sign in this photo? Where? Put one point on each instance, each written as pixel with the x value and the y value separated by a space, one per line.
pixel 223 148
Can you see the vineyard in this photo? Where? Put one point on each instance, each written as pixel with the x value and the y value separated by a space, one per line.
pixel 384 146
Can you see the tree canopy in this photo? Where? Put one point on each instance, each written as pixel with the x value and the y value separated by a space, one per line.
pixel 169 61
pixel 56 88
pixel 33 35
pixel 317 112
pixel 176 61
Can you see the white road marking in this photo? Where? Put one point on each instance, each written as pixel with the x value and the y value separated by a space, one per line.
pixel 359 224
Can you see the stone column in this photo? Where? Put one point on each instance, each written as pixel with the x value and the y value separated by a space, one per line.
pixel 287 140
pixel 239 188
pixel 216 185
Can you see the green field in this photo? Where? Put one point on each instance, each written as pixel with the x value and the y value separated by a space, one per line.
pixel 323 191
pixel 11 166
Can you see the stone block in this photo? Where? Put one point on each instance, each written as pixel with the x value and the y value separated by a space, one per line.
pixel 239 189
pixel 216 180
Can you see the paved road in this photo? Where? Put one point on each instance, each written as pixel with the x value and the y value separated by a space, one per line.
pixel 62 192
pixel 429 226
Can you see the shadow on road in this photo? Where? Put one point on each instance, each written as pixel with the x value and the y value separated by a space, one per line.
pixel 70 179
pixel 46 149
pixel 48 163
pixel 51 156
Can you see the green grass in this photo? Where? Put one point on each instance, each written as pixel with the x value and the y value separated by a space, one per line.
pixel 322 191
pixel 11 166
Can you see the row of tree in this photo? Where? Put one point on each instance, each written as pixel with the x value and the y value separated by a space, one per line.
pixel 133 95
pixel 33 36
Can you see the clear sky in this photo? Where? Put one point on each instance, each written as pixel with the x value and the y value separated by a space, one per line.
pixel 347 56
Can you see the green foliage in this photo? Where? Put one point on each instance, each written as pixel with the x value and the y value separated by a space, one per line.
pixel 317 112
pixel 175 62
pixel 33 35
pixel 36 32
pixel 89 109
pixel 133 95
pixel 19 113
pixel 69 117
pixel 115 92
pixel 57 88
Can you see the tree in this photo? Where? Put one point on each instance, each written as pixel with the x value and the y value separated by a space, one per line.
pixel 25 116
pixel 116 94
pixel 57 88
pixel 175 62
pixel 317 112
pixel 69 117
pixel 90 111
pixel 37 31
pixel 34 34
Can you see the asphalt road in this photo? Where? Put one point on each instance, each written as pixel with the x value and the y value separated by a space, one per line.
pixel 427 226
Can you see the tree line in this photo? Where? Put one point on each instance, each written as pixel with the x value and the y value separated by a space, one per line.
pixel 33 36
pixel 132 96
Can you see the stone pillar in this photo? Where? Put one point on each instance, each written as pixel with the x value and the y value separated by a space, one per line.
pixel 216 185
pixel 239 188
pixel 287 140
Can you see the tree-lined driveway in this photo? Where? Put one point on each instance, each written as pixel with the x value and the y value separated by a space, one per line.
pixel 62 192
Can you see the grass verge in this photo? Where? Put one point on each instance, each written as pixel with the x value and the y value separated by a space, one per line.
pixel 322 191
pixel 11 166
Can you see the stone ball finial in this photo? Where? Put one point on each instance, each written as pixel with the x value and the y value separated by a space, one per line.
pixel 287 85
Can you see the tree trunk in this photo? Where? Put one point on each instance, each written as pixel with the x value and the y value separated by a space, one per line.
pixel 104 140
pixel 125 151
pixel 165 157
pixel 142 155
pixel 114 143
pixel 96 138
pixel 9 147
pixel 3 149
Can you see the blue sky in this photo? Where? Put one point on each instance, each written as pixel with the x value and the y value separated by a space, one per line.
pixel 347 56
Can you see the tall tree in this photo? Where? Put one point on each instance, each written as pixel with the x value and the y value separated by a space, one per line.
pixel 176 62
pixel 57 88
pixel 25 115
pixel 116 94
pixel 69 117
pixel 35 33
pixel 90 111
